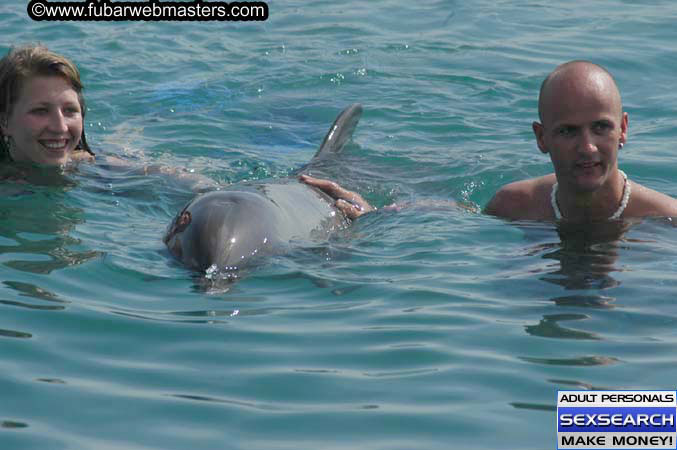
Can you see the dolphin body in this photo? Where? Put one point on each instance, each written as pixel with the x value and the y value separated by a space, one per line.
pixel 231 229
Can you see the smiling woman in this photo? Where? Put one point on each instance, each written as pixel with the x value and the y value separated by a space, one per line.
pixel 41 108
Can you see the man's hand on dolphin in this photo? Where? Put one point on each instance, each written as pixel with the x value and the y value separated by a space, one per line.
pixel 348 202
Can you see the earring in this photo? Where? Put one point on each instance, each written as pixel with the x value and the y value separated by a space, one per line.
pixel 620 145
pixel 9 145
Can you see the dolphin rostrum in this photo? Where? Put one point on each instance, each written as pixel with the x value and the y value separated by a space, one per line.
pixel 231 229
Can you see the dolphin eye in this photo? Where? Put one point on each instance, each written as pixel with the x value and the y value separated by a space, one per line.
pixel 182 222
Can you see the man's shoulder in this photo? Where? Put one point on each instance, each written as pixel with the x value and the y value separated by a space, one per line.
pixel 645 202
pixel 525 199
pixel 530 187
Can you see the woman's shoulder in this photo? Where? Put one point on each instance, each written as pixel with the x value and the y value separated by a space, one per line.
pixel 82 156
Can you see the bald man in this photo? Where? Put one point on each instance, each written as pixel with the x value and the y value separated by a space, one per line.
pixel 582 128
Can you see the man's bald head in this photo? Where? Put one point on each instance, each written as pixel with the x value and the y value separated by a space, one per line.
pixel 576 76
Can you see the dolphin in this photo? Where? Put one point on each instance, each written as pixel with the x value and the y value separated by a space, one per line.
pixel 235 228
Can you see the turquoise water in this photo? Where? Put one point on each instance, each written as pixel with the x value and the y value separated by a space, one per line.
pixel 423 329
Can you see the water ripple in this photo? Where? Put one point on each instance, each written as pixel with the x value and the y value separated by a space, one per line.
pixel 13 424
pixel 579 361
pixel 15 334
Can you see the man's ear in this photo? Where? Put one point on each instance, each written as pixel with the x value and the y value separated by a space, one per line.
pixel 624 128
pixel 539 132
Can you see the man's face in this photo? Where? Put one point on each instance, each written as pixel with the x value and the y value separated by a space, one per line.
pixel 582 128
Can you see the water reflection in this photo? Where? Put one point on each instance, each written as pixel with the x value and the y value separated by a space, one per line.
pixel 587 255
pixel 33 291
pixel 579 385
pixel 12 424
pixel 21 177
pixel 34 231
pixel 582 361
pixel 586 301
pixel 549 327
pixel 15 334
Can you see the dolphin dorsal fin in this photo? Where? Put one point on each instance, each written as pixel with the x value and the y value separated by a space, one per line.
pixel 340 132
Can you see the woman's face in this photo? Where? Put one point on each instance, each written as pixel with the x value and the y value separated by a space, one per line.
pixel 45 123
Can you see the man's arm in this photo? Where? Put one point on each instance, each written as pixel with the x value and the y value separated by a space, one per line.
pixel 348 202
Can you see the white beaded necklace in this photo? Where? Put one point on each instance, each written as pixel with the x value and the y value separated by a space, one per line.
pixel 614 216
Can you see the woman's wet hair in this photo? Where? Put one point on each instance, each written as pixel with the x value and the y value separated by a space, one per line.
pixel 22 63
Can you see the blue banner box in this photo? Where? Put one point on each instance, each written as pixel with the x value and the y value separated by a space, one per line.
pixel 616 419
pixel 631 419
